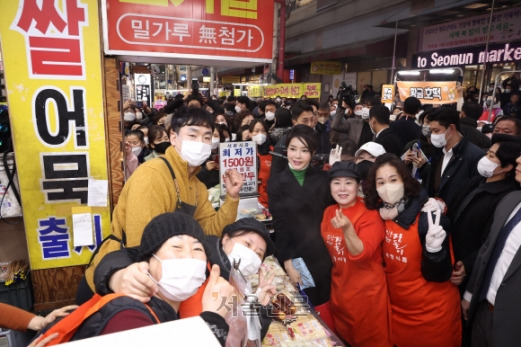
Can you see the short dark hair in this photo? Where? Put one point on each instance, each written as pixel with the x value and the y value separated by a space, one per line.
pixel 445 116
pixel 298 108
pixel 373 101
pixel 349 147
pixel 312 103
pixel 517 122
pixel 269 102
pixel 411 105
pixel 381 113
pixel 305 134
pixel 412 187
pixel 324 106
pixel 240 131
pixel 472 109
pixel 155 132
pixel 509 149
pixel 283 118
pixel 138 133
pixel 196 98
pixel 221 128
pixel 255 121
pixel 244 100
pixel 187 116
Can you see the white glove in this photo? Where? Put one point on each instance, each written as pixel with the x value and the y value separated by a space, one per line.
pixel 334 155
pixel 433 205
pixel 435 235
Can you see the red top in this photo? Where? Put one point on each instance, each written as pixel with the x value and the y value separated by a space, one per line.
pixel 420 309
pixel 12 317
pixel 359 301
pixel 264 175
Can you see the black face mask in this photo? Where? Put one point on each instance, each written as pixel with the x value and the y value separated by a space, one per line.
pixel 162 147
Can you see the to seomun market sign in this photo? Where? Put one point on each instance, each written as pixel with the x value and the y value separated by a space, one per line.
pixel 502 53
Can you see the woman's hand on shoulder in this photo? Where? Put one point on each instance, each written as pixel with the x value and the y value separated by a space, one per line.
pixel 134 282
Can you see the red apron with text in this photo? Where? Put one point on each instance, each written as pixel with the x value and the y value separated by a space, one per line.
pixel 359 301
pixel 422 313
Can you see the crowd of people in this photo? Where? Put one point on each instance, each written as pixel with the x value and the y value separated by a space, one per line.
pixel 401 228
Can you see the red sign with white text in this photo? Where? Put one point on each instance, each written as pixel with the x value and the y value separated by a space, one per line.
pixel 236 30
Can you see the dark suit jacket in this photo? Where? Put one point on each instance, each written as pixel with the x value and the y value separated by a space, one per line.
pixel 461 167
pixel 406 129
pixel 506 330
pixel 469 130
pixel 390 141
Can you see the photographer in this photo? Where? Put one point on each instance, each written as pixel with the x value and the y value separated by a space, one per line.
pixel 349 124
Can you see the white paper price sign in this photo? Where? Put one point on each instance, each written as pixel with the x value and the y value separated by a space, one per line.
pixel 241 156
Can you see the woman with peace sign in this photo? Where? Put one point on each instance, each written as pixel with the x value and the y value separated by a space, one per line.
pixel 353 236
pixel 417 255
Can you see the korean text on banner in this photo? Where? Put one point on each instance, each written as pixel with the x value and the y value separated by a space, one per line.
pixel 430 92
pixel 225 30
pixel 241 156
pixel 326 67
pixel 53 75
pixel 293 90
pixel 387 93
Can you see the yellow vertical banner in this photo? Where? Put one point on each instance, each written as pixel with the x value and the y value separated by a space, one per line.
pixel 52 62
pixel 255 91
pixel 387 93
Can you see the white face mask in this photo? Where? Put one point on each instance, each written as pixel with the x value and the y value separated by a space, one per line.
pixel 249 261
pixel 227 139
pixel 146 139
pixel 486 167
pixel 195 152
pixel 270 116
pixel 438 140
pixel 259 139
pixel 238 108
pixel 137 150
pixel 391 193
pixel 222 123
pixel 129 116
pixel 332 113
pixel 358 112
pixel 215 142
pixel 180 278
pixel 372 130
pixel 347 112
pixel 426 130
pixel 365 113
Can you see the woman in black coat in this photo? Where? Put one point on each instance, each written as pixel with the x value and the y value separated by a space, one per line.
pixel 473 209
pixel 298 197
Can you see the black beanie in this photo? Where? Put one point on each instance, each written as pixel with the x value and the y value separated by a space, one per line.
pixel 253 225
pixel 163 227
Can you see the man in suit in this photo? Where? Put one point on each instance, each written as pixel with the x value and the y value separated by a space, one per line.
pixel 406 125
pixel 455 160
pixel 379 123
pixel 492 302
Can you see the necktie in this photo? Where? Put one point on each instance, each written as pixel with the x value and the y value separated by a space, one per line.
pixel 496 252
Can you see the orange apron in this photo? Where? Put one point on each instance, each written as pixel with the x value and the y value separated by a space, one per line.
pixel 422 313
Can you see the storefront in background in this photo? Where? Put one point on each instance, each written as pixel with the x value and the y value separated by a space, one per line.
pixel 462 43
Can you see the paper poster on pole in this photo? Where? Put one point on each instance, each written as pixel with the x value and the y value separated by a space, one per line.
pixel 241 156
pixel 387 93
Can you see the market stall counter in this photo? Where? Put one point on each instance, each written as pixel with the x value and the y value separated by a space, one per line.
pixel 297 323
